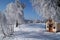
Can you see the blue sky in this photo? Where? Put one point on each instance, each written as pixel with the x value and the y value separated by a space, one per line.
pixel 29 13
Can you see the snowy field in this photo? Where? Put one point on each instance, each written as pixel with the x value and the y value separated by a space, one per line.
pixel 31 32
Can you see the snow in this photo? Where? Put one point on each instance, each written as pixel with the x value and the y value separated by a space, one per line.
pixel 32 32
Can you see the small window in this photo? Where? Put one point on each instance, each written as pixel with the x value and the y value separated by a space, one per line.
pixel 47 26
pixel 54 27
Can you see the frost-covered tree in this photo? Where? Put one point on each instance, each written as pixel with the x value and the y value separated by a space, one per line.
pixel 14 12
pixel 4 28
pixel 47 8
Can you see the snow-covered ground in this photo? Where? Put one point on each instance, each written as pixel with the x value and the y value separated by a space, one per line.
pixel 32 32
